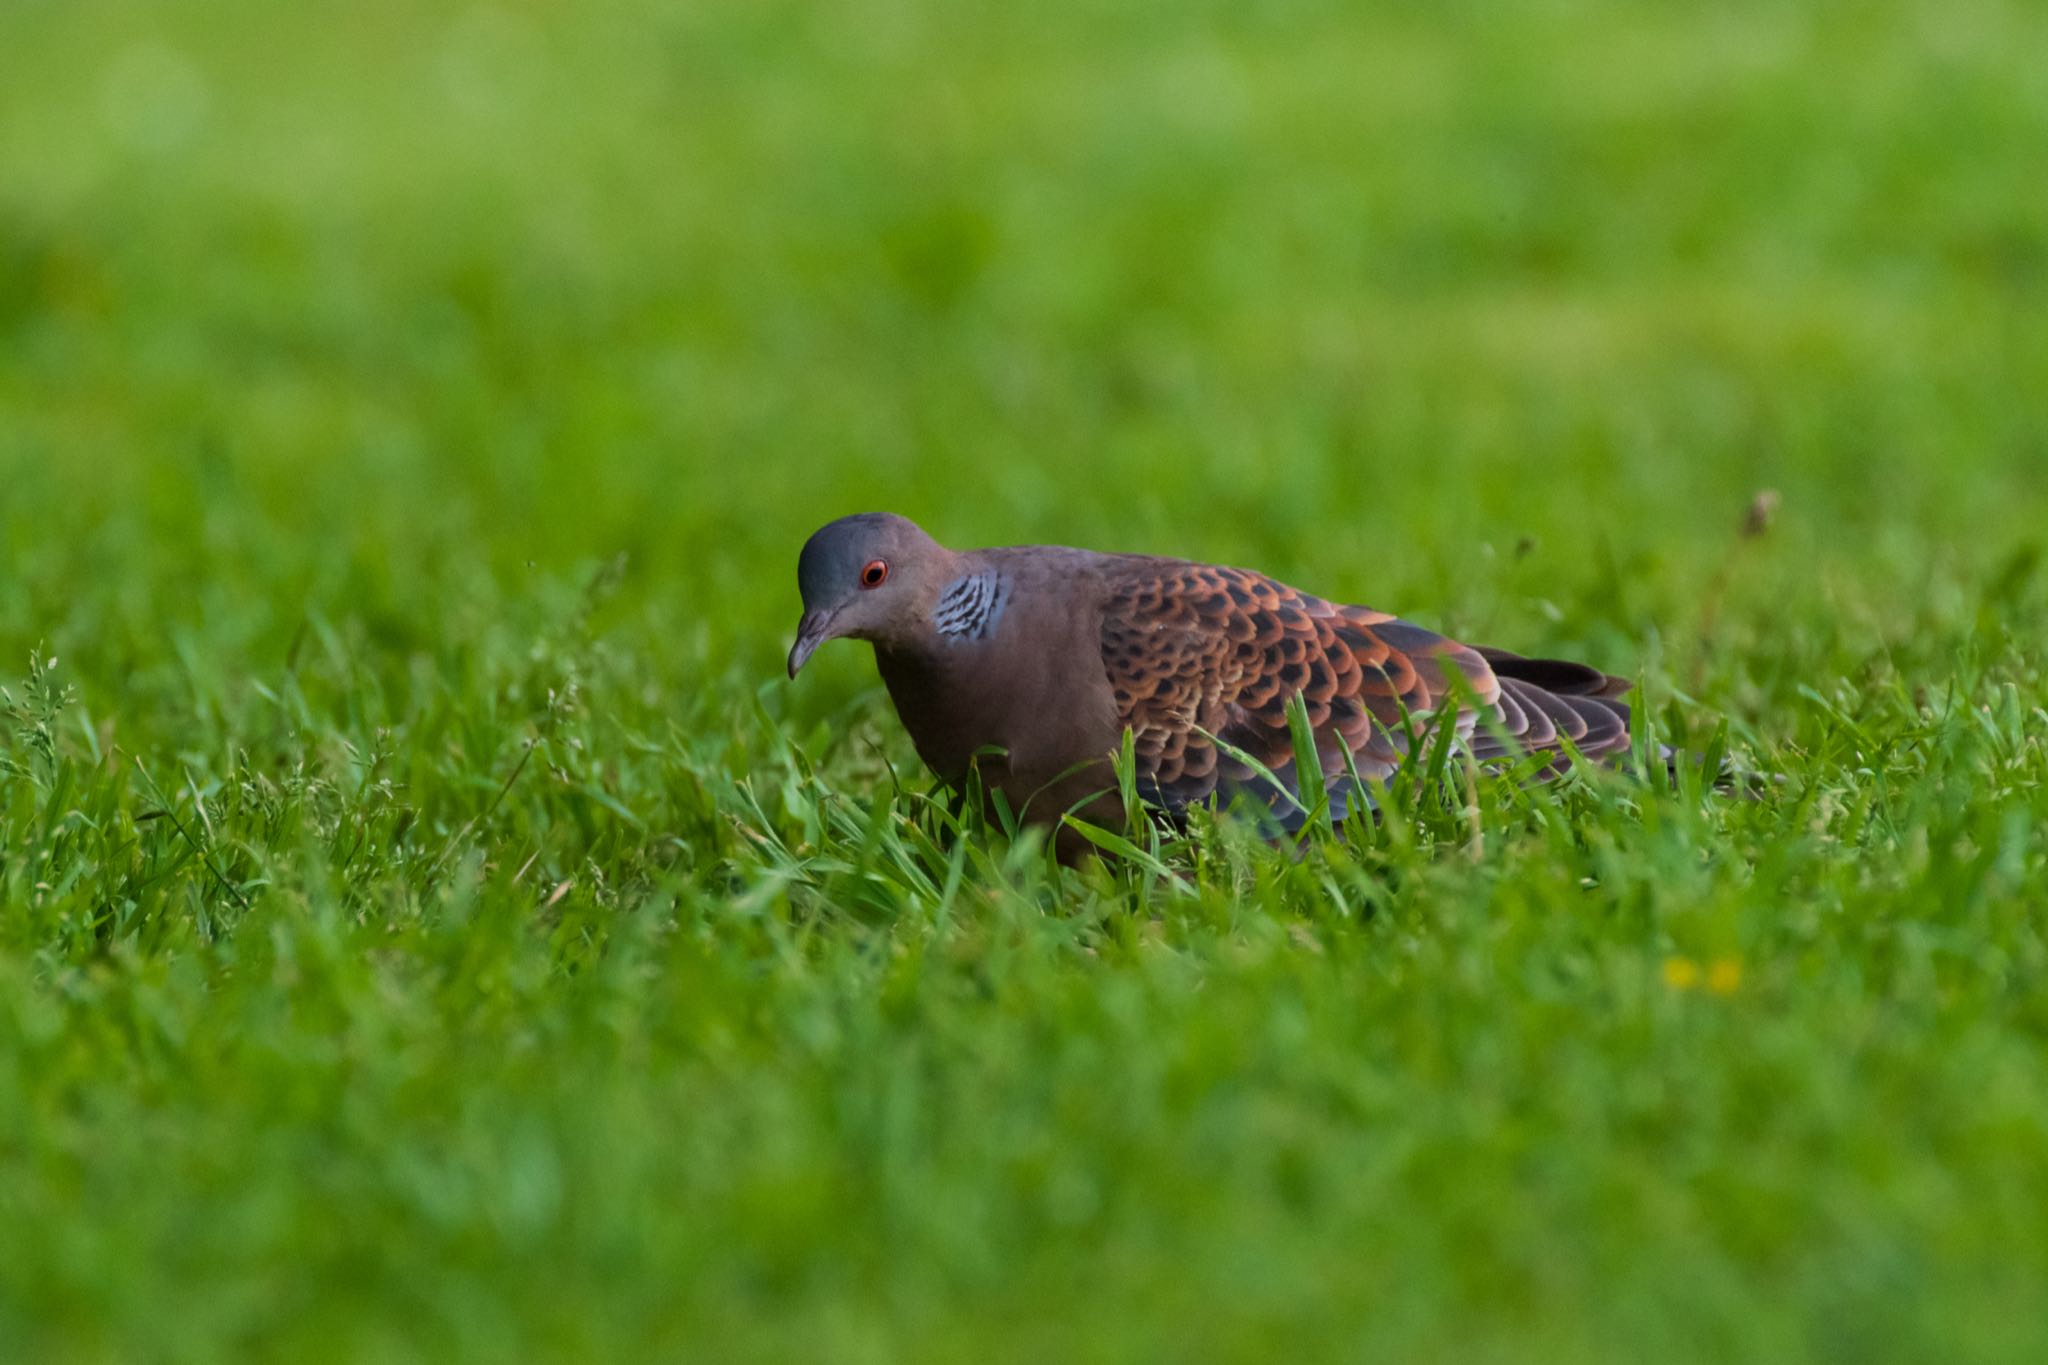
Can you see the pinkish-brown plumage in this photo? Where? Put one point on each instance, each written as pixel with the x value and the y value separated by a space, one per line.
pixel 1035 661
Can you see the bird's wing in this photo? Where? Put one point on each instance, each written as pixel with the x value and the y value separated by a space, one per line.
pixel 1203 662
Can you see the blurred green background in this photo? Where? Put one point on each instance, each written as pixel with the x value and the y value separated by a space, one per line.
pixel 416 380
pixel 361 298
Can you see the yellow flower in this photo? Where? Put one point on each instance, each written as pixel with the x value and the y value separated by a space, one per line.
pixel 1725 976
pixel 1681 973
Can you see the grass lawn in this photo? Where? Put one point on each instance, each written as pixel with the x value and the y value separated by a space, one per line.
pixel 432 929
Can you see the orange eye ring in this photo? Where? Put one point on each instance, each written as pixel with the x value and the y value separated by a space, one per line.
pixel 875 574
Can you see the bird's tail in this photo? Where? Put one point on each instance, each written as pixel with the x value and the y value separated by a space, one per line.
pixel 1570 695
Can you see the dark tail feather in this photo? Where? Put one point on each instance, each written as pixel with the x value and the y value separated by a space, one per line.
pixel 1560 676
pixel 1542 700
pixel 1546 685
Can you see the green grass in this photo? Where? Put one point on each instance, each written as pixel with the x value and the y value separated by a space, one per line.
pixel 431 929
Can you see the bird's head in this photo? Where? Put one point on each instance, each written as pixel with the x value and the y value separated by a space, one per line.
pixel 867 577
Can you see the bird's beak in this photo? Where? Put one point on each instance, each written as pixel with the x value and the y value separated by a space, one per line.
pixel 814 630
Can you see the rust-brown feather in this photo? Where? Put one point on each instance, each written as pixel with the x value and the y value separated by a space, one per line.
pixel 1204 660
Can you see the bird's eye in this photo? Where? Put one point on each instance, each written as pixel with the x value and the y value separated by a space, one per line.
pixel 875 574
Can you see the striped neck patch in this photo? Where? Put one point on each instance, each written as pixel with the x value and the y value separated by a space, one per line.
pixel 969 607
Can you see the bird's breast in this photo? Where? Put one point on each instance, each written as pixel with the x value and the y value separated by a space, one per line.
pixel 950 714
pixel 1046 713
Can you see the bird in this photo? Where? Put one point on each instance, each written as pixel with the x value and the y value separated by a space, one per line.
pixel 1032 664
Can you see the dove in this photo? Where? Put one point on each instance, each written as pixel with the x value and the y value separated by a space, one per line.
pixel 1031 662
